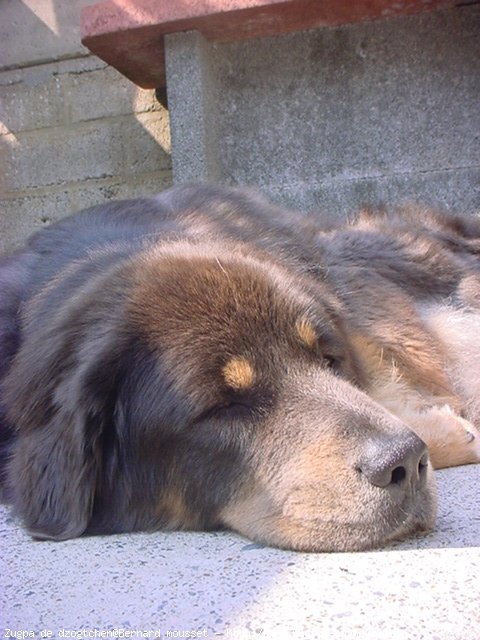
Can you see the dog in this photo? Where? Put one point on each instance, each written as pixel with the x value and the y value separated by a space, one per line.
pixel 204 359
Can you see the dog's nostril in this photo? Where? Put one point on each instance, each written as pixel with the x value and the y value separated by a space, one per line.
pixel 394 465
pixel 383 476
pixel 398 474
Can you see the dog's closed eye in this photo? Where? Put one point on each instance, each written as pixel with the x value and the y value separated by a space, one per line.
pixel 228 410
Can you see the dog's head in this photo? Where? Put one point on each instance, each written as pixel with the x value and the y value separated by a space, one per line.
pixel 198 387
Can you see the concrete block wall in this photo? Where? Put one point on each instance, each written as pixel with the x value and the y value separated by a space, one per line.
pixel 330 119
pixel 73 131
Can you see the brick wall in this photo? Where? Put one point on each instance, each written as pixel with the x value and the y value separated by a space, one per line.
pixel 73 132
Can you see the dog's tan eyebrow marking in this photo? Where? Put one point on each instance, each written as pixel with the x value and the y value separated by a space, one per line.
pixel 239 373
pixel 306 332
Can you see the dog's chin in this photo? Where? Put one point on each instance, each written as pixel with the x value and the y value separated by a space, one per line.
pixel 351 537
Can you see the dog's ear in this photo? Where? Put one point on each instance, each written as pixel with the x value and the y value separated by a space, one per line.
pixel 60 395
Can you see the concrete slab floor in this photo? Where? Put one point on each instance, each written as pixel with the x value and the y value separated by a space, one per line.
pixel 221 585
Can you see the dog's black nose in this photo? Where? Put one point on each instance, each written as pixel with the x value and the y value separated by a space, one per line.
pixel 396 462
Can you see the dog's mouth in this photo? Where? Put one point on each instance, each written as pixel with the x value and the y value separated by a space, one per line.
pixel 382 526
pixel 352 517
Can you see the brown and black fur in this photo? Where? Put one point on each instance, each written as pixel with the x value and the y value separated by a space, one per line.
pixel 204 359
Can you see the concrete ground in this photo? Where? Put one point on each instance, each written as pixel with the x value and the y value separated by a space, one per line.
pixel 221 585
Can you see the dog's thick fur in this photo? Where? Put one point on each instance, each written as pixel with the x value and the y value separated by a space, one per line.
pixel 204 359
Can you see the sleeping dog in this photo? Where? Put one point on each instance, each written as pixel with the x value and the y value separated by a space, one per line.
pixel 203 359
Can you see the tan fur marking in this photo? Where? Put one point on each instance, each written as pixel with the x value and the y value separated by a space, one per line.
pixel 239 374
pixel 307 333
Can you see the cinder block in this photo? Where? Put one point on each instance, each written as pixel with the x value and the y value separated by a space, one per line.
pixel 148 184
pixel 22 216
pixel 77 65
pixel 43 96
pixel 93 192
pixel 36 97
pixel 60 155
pixel 34 101
pixel 147 143
pixel 104 93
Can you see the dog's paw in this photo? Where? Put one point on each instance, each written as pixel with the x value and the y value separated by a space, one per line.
pixel 451 440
